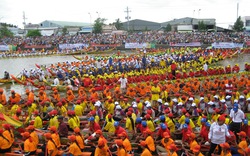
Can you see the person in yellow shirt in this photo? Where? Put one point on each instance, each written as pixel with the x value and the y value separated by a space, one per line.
pixel 78 108
pixel 170 122
pixel 155 90
pixel 130 123
pixel 109 124
pixel 33 134
pixel 74 148
pixel 111 107
pixel 31 107
pixel 150 123
pixel 29 144
pixel 5 145
pixel 53 119
pixel 145 149
pixel 71 122
pixel 38 123
pixel 62 110
pixel 51 146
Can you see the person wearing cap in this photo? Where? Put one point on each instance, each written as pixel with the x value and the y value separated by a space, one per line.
pixel 14 98
pixel 155 91
pixel 150 122
pixel 30 95
pixel 8 133
pixel 55 136
pixel 53 121
pixel 5 145
pixel 170 122
pixel 55 97
pixel 17 115
pixel 203 136
pixel 125 141
pixel 217 134
pixel 123 83
pixel 38 123
pixel 166 141
pixel 118 129
pixel 111 106
pixel 101 149
pixel 51 146
pixel 192 142
pixel 29 146
pixel 73 121
pixel 173 150
pixel 160 107
pixel 196 150
pixel 62 110
pixel 62 128
pixel 248 105
pixel 93 125
pixel 42 95
pixel 149 140
pixel 130 123
pixel 2 97
pixel 242 103
pixel 79 138
pixel 120 150
pixel 145 149
pixel 78 108
pixel 202 104
pixel 226 151
pixel 185 131
pixel 236 116
pixel 242 144
pixel 33 134
pixel 31 107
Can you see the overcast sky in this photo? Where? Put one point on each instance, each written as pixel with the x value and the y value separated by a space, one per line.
pixel 36 11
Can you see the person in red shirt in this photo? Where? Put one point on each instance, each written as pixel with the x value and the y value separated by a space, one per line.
pixel 185 132
pixel 204 132
pixel 245 127
pixel 118 129
pixel 173 69
pixel 163 128
pixel 93 126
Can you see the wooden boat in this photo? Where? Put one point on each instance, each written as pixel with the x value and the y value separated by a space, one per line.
pixel 22 82
pixel 105 51
pixel 5 80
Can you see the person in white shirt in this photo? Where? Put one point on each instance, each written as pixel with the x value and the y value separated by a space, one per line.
pixel 205 67
pixel 217 134
pixel 237 116
pixel 56 81
pixel 123 81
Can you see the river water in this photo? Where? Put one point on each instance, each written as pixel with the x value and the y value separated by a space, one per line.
pixel 15 65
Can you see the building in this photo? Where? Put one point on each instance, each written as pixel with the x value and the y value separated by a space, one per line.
pixel 246 21
pixel 108 29
pixel 61 24
pixel 188 24
pixel 141 25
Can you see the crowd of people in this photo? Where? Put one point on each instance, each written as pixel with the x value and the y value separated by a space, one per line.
pixel 142 37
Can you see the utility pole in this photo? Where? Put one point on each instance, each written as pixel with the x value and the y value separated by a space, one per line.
pixel 127 11
pixel 24 18
pixel 237 10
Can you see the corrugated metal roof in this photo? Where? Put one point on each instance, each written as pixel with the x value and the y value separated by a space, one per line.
pixel 141 25
pixel 206 21
pixel 67 23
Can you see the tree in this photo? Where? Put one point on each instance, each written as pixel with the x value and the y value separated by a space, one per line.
pixel 168 28
pixel 202 26
pixel 4 31
pixel 64 30
pixel 238 25
pixel 33 33
pixel 99 22
pixel 118 24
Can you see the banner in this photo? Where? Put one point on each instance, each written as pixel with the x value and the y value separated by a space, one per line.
pixel 218 45
pixel 104 45
pixel 73 46
pixel 191 44
pixel 4 47
pixel 37 46
pixel 139 45
pixel 248 43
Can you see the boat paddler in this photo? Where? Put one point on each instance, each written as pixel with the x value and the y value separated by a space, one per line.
pixel 2 97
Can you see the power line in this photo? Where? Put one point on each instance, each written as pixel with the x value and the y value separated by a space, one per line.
pixel 127 11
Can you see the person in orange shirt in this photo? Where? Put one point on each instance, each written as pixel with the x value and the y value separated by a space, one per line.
pixel 149 140
pixel 14 98
pixel 192 143
pixel 51 146
pixel 145 149
pixel 5 145
pixel 55 96
pixel 165 142
pixel 29 145
pixel 18 114
pixel 243 143
pixel 226 151
pixel 70 96
pixel 93 94
pixel 30 95
pixel 33 134
pixel 74 149
pixel 101 150
pixel 79 138
pixel 196 150
pixel 8 133
pixel 55 136
pixel 173 149
pixel 126 143
pixel 120 150
pixel 41 96
pixel 2 97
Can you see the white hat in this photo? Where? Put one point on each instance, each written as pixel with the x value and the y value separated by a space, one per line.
pixel 175 100
pixel 228 96
pixel 116 103
pixel 235 101
pixel 222 100
pixel 216 96
pixel 97 104
pixel 210 102
pixel 166 104
pixel 118 107
pixel 134 106
pixel 180 104
pixel 159 100
pixel 193 105
pixel 201 98
pixel 191 99
pixel 134 103
pixel 248 99
pixel 241 97
pixel 148 105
